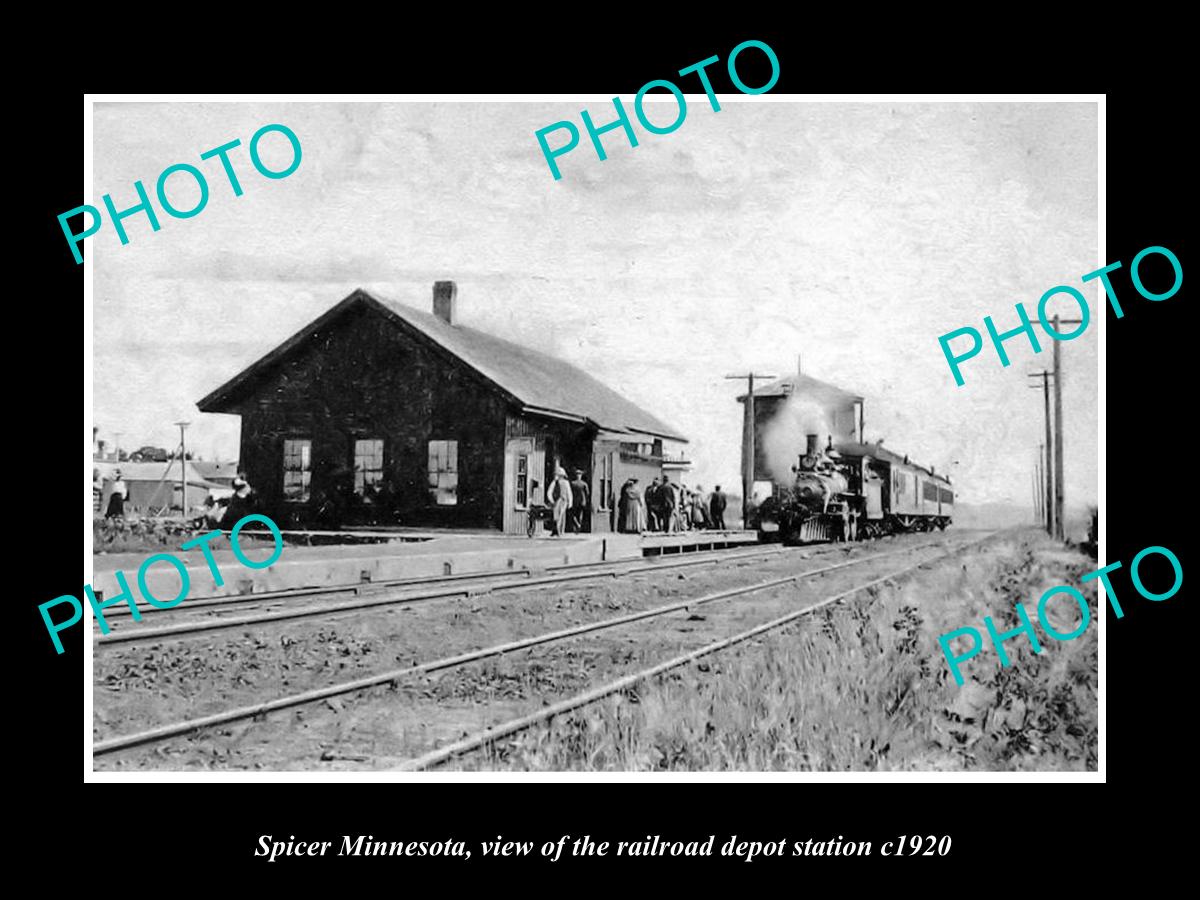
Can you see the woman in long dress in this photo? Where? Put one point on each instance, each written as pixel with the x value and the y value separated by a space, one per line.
pixel 635 516
pixel 625 519
pixel 622 508
pixel 635 510
pixel 116 499
pixel 699 513
pixel 241 504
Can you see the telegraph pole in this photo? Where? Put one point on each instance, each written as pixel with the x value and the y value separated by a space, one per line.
pixel 747 441
pixel 1058 431
pixel 1037 487
pixel 1043 466
pixel 183 464
pixel 1048 506
pixel 1034 479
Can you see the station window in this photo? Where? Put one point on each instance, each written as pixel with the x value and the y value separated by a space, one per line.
pixel 443 472
pixel 297 469
pixel 522 492
pixel 368 466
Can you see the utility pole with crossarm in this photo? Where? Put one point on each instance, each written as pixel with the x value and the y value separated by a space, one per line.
pixel 747 442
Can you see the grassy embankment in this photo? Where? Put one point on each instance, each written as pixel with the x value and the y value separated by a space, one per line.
pixel 863 685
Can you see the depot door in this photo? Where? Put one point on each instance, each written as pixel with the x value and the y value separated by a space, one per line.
pixel 523 465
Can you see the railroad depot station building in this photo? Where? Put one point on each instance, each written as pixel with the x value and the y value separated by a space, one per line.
pixel 378 414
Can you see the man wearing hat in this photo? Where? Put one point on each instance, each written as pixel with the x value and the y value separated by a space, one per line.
pixel 652 504
pixel 579 502
pixel 668 505
pixel 716 508
pixel 558 494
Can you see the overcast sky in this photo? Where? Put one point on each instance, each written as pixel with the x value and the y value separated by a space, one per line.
pixel 853 234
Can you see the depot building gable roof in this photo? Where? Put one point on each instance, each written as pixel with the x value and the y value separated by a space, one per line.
pixel 541 384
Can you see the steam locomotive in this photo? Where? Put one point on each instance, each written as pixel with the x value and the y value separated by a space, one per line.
pixel 852 492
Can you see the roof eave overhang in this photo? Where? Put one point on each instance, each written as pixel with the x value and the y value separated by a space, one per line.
pixel 526 409
pixel 642 432
pixel 602 431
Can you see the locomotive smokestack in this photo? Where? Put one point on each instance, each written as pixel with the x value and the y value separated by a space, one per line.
pixel 812 444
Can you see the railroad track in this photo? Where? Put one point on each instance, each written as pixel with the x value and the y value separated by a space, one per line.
pixel 175 729
pixel 221 601
pixel 468 586
pixel 486 736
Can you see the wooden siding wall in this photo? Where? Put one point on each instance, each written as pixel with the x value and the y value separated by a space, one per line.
pixel 364 379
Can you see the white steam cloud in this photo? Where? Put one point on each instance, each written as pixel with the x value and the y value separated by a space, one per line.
pixel 783 439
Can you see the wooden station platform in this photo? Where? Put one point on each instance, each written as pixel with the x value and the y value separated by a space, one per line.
pixel 654 544
pixel 442 554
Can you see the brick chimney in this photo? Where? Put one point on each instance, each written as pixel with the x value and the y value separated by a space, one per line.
pixel 445 299
pixel 799 366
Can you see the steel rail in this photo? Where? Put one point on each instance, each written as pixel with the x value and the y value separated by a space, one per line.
pixel 376 586
pixel 138 635
pixel 248 712
pixel 488 735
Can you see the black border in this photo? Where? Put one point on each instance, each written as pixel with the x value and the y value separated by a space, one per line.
pixel 1148 495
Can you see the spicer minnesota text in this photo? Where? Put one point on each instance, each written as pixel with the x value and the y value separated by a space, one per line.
pixel 363 845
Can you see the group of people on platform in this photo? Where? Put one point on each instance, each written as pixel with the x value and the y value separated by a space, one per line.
pixel 566 507
pixel 668 507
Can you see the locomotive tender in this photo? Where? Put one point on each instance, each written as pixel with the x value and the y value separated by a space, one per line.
pixel 852 491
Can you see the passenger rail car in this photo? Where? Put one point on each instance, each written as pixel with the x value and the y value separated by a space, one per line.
pixel 853 492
